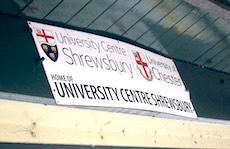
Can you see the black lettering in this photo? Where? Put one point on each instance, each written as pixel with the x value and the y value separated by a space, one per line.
pixel 94 92
pixel 134 96
pixel 73 85
pixel 87 91
pixel 128 95
pixel 121 91
pixel 80 90
pixel 143 97
pixel 60 94
pixel 108 89
pixel 105 93
pixel 115 92
pixel 99 90
pixel 171 103
pixel 69 90
pixel 152 95
pixel 148 98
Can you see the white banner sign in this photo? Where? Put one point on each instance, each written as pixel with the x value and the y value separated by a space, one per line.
pixel 87 69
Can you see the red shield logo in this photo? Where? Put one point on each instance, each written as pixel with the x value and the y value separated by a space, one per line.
pixel 143 67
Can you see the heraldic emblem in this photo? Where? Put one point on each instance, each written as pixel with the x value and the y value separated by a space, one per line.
pixel 46 38
pixel 143 67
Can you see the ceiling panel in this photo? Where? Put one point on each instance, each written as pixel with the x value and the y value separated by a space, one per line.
pixel 213 51
pixel 223 63
pixel 178 29
pixel 218 58
pixel 161 12
pixel 13 7
pixel 90 12
pixel 67 9
pixel 145 23
pixel 131 17
pixel 39 8
pixel 227 69
pixel 170 22
pixel 111 15
pixel 203 41
pixel 190 34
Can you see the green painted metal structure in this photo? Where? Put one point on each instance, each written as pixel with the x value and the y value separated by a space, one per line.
pixel 198 41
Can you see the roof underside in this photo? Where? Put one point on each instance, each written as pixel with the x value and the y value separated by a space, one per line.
pixel 176 28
